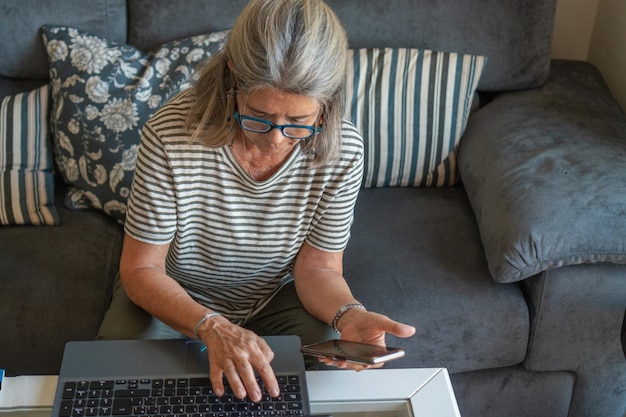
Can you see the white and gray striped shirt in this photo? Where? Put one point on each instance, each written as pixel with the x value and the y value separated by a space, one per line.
pixel 233 240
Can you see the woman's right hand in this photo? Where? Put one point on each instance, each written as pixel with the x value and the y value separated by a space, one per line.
pixel 237 353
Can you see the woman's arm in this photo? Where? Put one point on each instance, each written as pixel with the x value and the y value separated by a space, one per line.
pixel 233 351
pixel 319 281
pixel 142 270
pixel 322 289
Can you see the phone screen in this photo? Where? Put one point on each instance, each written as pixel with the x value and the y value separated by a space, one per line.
pixel 352 351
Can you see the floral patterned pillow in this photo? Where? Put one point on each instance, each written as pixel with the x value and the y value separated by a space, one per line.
pixel 102 94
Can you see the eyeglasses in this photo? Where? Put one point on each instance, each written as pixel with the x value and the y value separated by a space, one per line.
pixel 254 124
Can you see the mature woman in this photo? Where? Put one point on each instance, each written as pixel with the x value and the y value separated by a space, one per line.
pixel 243 199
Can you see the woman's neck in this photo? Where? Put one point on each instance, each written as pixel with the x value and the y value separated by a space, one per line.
pixel 260 162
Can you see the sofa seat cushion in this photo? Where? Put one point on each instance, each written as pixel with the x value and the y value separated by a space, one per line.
pixel 56 286
pixel 415 255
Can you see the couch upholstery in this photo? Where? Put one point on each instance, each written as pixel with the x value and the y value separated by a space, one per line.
pixel 515 278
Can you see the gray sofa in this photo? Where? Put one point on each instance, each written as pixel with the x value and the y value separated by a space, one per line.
pixel 515 277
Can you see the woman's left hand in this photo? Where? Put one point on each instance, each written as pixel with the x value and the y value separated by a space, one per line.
pixel 362 326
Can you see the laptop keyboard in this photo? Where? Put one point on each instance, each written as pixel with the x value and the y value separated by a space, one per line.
pixel 181 397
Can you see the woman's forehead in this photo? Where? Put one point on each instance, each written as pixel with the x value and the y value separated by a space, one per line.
pixel 271 100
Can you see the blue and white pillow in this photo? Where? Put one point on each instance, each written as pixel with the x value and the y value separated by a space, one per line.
pixel 26 178
pixel 411 107
pixel 102 94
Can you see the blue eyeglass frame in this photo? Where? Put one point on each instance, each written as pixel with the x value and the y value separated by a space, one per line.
pixel 313 129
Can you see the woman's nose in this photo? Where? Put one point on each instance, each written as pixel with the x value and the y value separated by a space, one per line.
pixel 276 137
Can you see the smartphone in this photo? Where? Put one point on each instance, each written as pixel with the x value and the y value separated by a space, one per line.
pixel 361 353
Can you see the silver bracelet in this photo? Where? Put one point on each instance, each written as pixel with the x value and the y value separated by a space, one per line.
pixel 202 320
pixel 342 310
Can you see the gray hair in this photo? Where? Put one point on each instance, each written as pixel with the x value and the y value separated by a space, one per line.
pixel 297 46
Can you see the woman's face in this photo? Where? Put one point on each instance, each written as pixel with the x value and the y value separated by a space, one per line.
pixel 280 108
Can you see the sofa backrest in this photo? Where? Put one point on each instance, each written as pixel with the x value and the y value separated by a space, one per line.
pixel 24 61
pixel 514 35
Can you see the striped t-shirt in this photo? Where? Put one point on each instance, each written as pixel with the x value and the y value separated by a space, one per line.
pixel 232 239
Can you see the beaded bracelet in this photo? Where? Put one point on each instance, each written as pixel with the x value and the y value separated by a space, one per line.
pixel 202 320
pixel 342 310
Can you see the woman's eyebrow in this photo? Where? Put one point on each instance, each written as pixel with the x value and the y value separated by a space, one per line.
pixel 264 114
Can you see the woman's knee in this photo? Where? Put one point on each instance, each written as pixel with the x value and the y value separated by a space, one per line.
pixel 125 320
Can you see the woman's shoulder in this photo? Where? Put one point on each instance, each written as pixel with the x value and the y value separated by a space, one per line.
pixel 351 135
pixel 174 111
pixel 178 105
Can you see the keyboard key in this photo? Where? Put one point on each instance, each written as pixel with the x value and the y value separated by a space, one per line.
pixel 80 393
pixel 132 393
pixel 292 396
pixel 66 408
pixel 200 382
pixel 99 385
pixel 295 406
pixel 105 411
pixel 69 388
pixel 121 406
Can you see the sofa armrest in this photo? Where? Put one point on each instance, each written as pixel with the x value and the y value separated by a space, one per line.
pixel 545 172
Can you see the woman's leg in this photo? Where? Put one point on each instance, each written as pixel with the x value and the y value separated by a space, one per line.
pixel 125 320
pixel 285 315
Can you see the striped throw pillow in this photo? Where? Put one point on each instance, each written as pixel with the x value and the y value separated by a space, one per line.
pixel 411 107
pixel 26 179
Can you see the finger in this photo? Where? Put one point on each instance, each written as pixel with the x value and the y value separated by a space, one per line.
pixel 399 329
pixel 246 375
pixel 217 379
pixel 404 330
pixel 232 375
pixel 349 365
pixel 266 349
pixel 265 369
pixel 266 373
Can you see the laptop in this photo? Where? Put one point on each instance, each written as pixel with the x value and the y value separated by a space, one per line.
pixel 168 378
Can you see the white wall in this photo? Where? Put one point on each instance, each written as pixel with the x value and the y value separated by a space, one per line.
pixel 594 31
pixel 607 49
pixel 573 27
